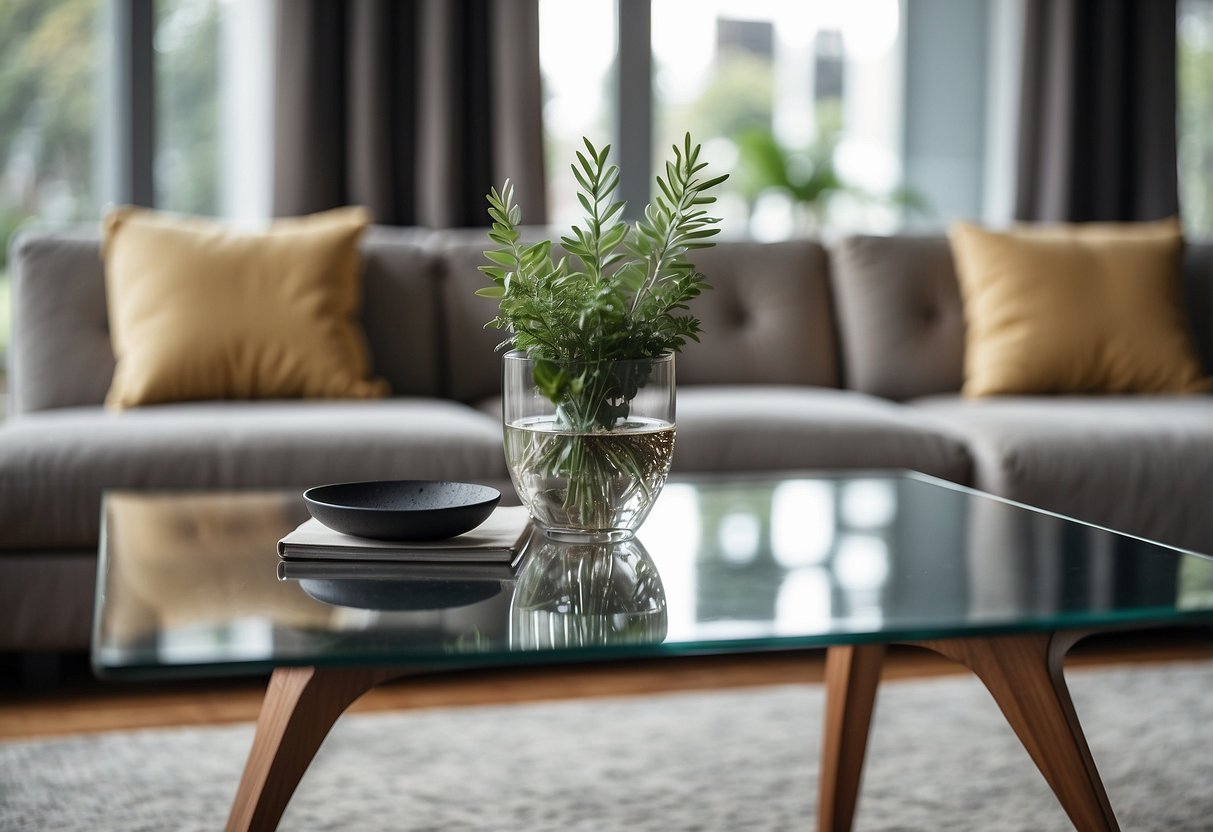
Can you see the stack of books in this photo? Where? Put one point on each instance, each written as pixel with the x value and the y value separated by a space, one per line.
pixel 492 549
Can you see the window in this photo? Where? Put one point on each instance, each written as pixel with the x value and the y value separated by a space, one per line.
pixel 213 107
pixel 813 89
pixel 187 95
pixel 578 80
pixel 1195 59
pixel 800 100
pixel 66 127
pixel 50 63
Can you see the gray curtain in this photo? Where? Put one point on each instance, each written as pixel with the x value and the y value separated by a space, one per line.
pixel 414 108
pixel 1097 138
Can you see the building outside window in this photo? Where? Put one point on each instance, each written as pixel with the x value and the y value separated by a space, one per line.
pixel 817 83
pixel 811 89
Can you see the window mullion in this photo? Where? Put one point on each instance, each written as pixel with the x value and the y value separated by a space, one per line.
pixel 634 104
pixel 133 96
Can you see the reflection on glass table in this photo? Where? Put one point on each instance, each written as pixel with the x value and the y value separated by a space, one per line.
pixel 190 581
pixel 583 594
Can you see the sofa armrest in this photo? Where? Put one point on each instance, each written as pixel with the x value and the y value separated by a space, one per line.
pixel 60 353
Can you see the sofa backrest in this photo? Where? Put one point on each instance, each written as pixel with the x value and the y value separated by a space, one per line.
pixel 60 354
pixel 401 310
pixel 901 321
pixel 1198 298
pixel 767 320
pixel 879 314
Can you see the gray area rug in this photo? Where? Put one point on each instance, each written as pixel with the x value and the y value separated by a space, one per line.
pixel 940 758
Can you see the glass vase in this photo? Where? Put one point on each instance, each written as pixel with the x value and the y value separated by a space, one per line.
pixel 588 444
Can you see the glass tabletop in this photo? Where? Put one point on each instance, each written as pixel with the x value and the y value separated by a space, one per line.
pixel 190 584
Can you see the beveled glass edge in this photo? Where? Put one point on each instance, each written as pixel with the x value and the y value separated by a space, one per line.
pixel 974 492
pixel 99 591
pixel 488 660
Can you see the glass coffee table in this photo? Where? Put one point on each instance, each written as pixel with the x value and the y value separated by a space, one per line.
pixel 190 585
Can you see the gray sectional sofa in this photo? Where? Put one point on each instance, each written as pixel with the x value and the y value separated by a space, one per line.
pixel 812 359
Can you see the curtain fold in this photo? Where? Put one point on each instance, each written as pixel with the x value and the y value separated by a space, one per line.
pixel 414 108
pixel 1097 133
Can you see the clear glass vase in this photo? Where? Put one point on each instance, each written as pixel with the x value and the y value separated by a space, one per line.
pixel 588 444
pixel 587 594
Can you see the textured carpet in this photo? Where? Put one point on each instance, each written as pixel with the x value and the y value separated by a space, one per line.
pixel 940 758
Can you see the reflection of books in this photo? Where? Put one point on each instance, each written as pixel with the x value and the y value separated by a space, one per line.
pixel 497 540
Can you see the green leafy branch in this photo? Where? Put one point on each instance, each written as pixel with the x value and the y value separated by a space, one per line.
pixel 620 292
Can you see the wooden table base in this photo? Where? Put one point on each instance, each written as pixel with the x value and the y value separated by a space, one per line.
pixel 1024 675
pixel 1022 672
pixel 301 704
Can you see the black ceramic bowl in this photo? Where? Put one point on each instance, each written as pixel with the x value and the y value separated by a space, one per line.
pixel 404 510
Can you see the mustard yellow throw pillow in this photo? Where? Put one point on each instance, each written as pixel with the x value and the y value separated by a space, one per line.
pixel 200 311
pixel 1092 308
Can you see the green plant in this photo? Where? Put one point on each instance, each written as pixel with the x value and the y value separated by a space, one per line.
pixel 593 322
pixel 614 306
pixel 627 304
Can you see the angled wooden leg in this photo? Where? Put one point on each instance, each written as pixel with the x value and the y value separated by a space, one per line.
pixel 852 676
pixel 1024 674
pixel 301 704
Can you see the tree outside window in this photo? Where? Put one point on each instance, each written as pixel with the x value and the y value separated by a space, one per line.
pixel 50 63
pixel 1195 68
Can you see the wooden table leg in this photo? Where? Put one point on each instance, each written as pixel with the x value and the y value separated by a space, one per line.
pixel 301 704
pixel 852 676
pixel 1024 674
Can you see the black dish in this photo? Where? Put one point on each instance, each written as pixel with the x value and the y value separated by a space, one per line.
pixel 404 510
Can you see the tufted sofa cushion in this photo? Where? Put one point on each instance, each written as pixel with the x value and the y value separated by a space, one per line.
pixel 401 310
pixel 900 315
pixel 1198 298
pixel 60 353
pixel 473 370
pixel 768 319
pixel 901 320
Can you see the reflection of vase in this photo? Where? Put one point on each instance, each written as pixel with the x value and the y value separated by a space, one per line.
pixel 581 594
pixel 588 444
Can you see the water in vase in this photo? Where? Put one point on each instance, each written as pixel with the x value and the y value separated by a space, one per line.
pixel 593 482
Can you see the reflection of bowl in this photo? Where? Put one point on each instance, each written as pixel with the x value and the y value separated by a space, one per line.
pixel 398 595
pixel 402 509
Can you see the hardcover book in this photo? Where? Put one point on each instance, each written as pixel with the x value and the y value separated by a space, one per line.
pixel 499 539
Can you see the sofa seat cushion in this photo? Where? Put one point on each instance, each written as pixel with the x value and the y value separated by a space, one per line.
pixel 758 428
pixel 54 464
pixel 1142 465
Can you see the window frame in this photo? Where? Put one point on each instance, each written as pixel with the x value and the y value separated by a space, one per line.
pixel 132 96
